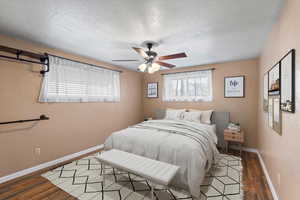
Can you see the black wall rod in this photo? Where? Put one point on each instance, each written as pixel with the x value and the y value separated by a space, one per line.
pixel 43 58
pixel 86 63
pixel 21 59
pixel 42 117
pixel 210 69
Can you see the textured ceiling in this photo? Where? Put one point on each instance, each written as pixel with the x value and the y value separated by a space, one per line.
pixel 209 31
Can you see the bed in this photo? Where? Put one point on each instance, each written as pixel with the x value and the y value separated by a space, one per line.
pixel 190 145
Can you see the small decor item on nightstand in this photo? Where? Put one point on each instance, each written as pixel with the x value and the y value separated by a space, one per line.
pixel 152 90
pixel 235 127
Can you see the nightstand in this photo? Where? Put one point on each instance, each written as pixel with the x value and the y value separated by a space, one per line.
pixel 234 137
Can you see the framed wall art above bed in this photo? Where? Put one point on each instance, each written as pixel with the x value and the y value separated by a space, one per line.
pixel 234 87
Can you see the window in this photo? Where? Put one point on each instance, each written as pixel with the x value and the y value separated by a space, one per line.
pixel 69 81
pixel 188 86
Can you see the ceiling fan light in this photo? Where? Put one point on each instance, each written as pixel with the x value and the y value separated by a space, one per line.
pixel 156 66
pixel 153 68
pixel 142 67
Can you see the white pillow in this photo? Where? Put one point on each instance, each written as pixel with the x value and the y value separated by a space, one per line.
pixel 174 114
pixel 192 116
pixel 205 115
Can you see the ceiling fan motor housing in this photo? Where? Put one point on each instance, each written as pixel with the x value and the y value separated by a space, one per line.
pixel 151 54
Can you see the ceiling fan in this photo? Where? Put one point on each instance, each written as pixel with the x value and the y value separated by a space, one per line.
pixel 152 62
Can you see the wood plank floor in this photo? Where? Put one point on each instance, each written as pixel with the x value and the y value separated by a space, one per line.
pixel 35 187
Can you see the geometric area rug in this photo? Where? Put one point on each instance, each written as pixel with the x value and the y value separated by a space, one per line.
pixel 83 180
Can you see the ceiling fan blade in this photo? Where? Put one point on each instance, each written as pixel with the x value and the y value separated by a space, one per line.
pixel 165 64
pixel 141 52
pixel 128 60
pixel 173 56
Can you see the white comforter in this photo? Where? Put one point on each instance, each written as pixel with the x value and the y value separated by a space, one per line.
pixel 192 146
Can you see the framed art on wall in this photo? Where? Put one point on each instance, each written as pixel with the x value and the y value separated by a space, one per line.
pixel 276 115
pixel 152 90
pixel 266 92
pixel 287 103
pixel 270 114
pixel 234 87
pixel 281 90
pixel 274 98
pixel 274 80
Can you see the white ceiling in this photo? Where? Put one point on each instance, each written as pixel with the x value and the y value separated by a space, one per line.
pixel 209 31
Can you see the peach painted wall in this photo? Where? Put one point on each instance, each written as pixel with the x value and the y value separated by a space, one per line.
pixel 72 126
pixel 242 110
pixel 282 153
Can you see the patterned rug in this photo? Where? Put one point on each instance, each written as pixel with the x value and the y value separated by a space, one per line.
pixel 83 179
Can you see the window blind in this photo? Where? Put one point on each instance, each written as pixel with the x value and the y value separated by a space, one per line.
pixel 189 86
pixel 69 81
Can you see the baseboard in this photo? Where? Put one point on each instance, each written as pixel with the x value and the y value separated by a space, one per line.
pixel 250 150
pixel 272 188
pixel 244 149
pixel 48 164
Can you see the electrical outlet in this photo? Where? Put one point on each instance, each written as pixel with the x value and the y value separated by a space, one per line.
pixel 278 179
pixel 37 151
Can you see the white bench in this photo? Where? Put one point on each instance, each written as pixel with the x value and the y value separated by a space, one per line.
pixel 155 171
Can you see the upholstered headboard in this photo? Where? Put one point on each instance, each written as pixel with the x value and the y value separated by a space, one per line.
pixel 221 119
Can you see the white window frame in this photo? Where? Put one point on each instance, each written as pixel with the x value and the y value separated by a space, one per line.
pixel 70 81
pixel 188 86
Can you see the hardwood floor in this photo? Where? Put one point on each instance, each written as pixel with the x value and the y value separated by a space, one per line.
pixel 254 180
pixel 35 187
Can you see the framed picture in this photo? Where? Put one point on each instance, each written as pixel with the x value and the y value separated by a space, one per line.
pixel 287 102
pixel 266 92
pixel 274 80
pixel 276 114
pixel 270 114
pixel 234 87
pixel 152 90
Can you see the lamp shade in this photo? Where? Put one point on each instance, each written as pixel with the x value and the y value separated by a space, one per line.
pixel 142 67
pixel 153 68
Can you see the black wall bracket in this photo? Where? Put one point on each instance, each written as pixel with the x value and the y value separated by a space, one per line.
pixel 43 59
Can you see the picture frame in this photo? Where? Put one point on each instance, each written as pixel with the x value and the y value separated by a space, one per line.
pixel 270 114
pixel 234 87
pixel 287 102
pixel 266 92
pixel 281 90
pixel 274 80
pixel 152 90
pixel 276 115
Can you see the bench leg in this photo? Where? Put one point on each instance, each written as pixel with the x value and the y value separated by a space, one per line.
pixel 195 198
pixel 152 190
pixel 103 173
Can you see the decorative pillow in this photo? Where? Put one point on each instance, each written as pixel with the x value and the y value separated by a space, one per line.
pixel 205 115
pixel 192 116
pixel 174 114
